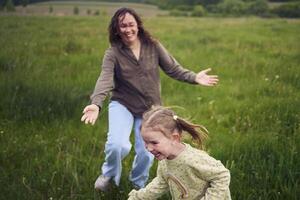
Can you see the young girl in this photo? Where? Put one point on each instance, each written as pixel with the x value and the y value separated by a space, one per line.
pixel 188 173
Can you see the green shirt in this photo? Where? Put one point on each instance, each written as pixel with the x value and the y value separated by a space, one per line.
pixel 136 83
pixel 192 175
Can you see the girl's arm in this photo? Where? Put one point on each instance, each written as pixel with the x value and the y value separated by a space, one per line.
pixel 157 187
pixel 217 176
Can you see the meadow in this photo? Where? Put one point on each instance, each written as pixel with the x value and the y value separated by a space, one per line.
pixel 48 68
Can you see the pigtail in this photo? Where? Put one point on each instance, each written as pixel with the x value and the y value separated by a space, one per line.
pixel 198 132
pixel 165 120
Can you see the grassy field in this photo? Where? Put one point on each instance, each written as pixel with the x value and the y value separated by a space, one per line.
pixel 48 68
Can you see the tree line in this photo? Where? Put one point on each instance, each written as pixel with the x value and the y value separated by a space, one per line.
pixel 283 8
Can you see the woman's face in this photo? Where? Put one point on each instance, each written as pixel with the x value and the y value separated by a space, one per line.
pixel 128 29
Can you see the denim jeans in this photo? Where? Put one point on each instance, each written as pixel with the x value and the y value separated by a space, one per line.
pixel 118 146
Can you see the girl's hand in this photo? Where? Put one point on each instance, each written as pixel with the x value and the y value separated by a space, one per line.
pixel 203 78
pixel 90 114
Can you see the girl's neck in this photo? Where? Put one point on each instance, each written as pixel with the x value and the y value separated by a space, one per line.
pixel 178 148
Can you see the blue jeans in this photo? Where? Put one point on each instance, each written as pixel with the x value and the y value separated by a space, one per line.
pixel 118 146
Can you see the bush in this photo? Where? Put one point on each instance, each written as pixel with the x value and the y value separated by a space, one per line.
pixel 10 6
pixel 258 7
pixel 163 5
pixel 97 12
pixel 104 13
pixel 212 8
pixel 178 13
pixel 50 9
pixel 76 10
pixel 88 11
pixel 24 3
pixel 198 11
pixel 2 5
pixel 232 7
pixel 184 8
pixel 207 3
pixel 290 10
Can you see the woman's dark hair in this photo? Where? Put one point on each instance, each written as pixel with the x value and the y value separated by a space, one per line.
pixel 113 29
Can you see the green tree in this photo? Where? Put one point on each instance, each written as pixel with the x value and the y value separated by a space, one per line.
pixel 2 5
pixel 178 13
pixel 258 7
pixel 50 9
pixel 184 8
pixel 232 7
pixel 198 11
pixel 76 10
pixel 97 12
pixel 24 3
pixel 88 11
pixel 290 10
pixel 207 3
pixel 10 6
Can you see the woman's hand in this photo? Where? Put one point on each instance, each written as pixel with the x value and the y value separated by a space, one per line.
pixel 90 114
pixel 203 78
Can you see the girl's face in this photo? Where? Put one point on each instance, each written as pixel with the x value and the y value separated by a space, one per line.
pixel 128 29
pixel 158 144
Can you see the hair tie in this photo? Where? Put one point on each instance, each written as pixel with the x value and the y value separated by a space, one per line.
pixel 175 117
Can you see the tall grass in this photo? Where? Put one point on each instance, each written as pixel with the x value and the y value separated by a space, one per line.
pixel 48 68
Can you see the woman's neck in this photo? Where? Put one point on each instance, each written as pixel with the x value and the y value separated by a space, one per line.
pixel 134 45
pixel 135 48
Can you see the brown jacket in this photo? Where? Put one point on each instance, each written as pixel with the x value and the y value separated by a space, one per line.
pixel 136 83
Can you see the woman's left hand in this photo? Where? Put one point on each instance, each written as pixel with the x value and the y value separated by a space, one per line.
pixel 203 78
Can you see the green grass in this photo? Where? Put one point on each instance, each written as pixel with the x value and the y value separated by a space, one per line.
pixel 49 66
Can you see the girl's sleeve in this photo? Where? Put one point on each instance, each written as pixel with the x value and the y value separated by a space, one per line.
pixel 105 82
pixel 156 188
pixel 172 68
pixel 218 177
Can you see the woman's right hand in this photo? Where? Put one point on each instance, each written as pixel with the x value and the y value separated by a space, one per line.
pixel 90 114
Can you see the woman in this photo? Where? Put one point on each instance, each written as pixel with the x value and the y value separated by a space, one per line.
pixel 130 71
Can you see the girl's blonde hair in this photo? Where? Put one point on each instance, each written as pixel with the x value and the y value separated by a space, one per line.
pixel 165 120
